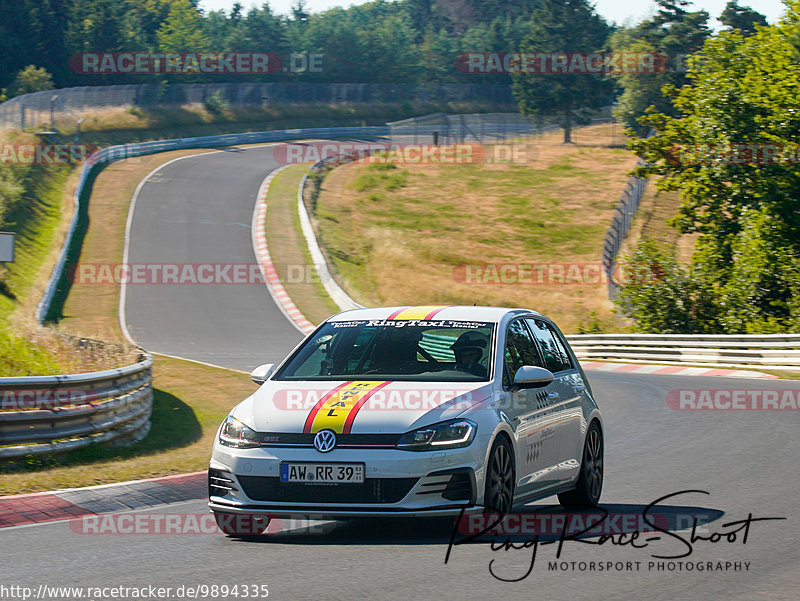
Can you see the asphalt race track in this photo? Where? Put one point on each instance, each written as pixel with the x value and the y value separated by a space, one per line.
pixel 198 210
pixel 746 460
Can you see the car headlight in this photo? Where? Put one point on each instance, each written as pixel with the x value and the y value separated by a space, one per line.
pixel 234 433
pixel 444 435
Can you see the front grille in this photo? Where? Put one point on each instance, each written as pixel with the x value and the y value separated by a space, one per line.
pixel 373 490
pixel 220 483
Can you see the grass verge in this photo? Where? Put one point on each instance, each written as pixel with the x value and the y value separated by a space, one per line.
pixel 784 375
pixel 190 399
pixel 289 250
pixel 36 204
pixel 35 217
pixel 655 209
pixel 408 233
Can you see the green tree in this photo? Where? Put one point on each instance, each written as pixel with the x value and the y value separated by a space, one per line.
pixel 732 153
pixel 422 16
pixel 501 34
pixel 263 30
pixel 95 26
pixel 743 18
pixel 47 47
pixel 488 10
pixel 564 26
pixel 183 30
pixel 758 295
pixel 143 19
pixel 15 29
pixel 672 32
pixel 389 54
pixel 31 79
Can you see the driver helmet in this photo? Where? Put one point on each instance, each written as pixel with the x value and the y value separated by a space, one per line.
pixel 467 344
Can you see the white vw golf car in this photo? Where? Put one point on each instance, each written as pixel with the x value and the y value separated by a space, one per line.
pixel 412 411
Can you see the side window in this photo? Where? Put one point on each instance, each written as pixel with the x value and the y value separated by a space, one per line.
pixel 556 357
pixel 520 350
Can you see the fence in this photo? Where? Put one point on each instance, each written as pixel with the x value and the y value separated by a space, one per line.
pixel 74 411
pixel 37 108
pixel 777 351
pixel 444 128
pixel 624 213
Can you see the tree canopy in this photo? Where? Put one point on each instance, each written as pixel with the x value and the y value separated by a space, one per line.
pixel 732 155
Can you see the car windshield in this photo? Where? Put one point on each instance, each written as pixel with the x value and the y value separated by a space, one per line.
pixel 442 351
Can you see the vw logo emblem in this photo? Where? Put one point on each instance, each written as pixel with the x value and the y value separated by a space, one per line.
pixel 325 440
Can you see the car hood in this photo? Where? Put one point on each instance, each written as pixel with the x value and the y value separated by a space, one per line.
pixel 357 407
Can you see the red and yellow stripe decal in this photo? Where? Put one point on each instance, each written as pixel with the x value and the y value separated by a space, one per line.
pixel 337 409
pixel 417 313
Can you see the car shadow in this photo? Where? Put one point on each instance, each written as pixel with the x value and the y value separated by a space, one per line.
pixel 545 521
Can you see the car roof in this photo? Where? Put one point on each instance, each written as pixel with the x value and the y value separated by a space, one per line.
pixel 436 312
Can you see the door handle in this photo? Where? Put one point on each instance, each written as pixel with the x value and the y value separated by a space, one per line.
pixel 552 395
pixel 580 388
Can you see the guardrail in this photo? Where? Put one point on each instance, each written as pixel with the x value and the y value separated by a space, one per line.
pixel 777 351
pixel 51 414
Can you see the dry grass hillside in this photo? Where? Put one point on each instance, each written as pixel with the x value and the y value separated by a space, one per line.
pixel 498 233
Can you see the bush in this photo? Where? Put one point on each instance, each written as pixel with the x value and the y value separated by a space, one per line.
pixel 759 295
pixel 31 79
pixel 216 104
pixel 663 297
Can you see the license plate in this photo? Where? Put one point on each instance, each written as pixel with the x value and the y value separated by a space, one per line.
pixel 323 473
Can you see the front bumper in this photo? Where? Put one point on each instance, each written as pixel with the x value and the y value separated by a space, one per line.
pixel 397 483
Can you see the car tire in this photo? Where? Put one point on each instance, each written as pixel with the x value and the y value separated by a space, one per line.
pixel 590 482
pixel 241 524
pixel 498 495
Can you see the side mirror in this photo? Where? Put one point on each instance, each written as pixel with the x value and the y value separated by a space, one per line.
pixel 529 376
pixel 260 374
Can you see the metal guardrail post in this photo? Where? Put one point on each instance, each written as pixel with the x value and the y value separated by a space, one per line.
pixel 51 414
pixel 776 351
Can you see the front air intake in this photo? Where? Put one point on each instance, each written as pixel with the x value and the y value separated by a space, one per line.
pixel 220 483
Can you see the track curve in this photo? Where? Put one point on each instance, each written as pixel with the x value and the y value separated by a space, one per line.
pixel 198 210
